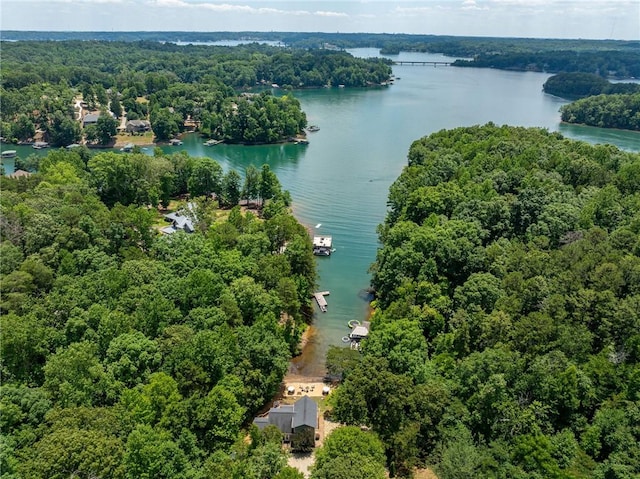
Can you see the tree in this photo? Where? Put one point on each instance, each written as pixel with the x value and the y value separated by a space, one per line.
pixel 217 419
pixel 349 452
pixel 115 106
pixel 459 457
pixel 106 128
pixel 340 361
pixel 231 189
pixel 83 453
pixel 23 128
pixel 269 185
pixel 131 358
pixel 164 124
pixel 153 454
pixel 74 376
pixel 206 178
pixel 63 131
pixel 251 187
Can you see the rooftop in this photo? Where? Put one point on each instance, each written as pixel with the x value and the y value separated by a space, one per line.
pixel 322 241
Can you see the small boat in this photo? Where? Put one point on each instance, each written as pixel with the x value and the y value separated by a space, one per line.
pixel 318 225
pixel 313 128
pixel 301 141
pixel 212 142
pixel 175 142
pixel 127 148
pixel 9 153
pixel 341 86
pixel 38 145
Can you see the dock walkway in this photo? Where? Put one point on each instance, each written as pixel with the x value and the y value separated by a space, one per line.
pixel 322 303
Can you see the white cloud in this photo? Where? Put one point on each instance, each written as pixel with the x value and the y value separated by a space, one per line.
pixel 237 8
pixel 331 14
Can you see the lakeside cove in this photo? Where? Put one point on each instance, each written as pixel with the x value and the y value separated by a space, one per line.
pixel 340 180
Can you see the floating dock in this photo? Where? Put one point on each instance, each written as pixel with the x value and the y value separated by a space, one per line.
pixel 322 303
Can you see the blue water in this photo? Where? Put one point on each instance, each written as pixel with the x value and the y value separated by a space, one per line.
pixel 341 179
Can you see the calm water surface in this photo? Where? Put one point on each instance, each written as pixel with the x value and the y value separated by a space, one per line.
pixel 341 179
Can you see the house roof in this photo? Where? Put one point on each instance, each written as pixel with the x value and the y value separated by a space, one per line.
pixel 91 118
pixel 261 422
pixel 179 221
pixel 322 241
pixel 282 417
pixel 19 174
pixel 138 123
pixel 287 417
pixel 359 332
pixel 306 413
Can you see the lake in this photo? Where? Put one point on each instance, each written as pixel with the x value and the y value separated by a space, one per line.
pixel 340 180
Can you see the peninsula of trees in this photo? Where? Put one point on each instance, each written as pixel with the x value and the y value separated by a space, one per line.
pixel 129 354
pixel 600 102
pixel 605 111
pixel 50 87
pixel 505 340
pixel 579 85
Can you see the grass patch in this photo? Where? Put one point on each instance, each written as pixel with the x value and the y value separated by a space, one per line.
pixel 138 139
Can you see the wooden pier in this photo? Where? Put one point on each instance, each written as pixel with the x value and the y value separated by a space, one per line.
pixel 322 303
pixel 412 63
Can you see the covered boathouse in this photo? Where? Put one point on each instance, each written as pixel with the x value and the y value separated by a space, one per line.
pixel 322 245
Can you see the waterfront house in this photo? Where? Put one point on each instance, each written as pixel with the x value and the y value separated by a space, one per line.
pixel 90 119
pixel 179 222
pixel 298 418
pixel 138 126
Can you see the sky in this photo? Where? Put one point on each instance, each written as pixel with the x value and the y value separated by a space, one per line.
pixel 593 19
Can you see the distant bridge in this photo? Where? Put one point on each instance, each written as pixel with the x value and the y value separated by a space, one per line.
pixel 435 64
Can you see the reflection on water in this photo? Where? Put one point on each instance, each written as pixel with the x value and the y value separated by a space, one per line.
pixel 623 139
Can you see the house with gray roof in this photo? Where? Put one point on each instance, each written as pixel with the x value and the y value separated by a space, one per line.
pixel 90 119
pixel 138 126
pixel 291 419
pixel 179 222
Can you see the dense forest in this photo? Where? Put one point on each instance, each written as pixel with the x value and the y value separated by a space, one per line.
pixel 505 339
pixel 129 354
pixel 172 86
pixel 603 57
pixel 615 63
pixel 579 85
pixel 605 111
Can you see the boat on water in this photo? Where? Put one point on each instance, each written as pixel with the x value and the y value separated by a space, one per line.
pixel 127 148
pixel 39 145
pixel 322 245
pixel 212 142
pixel 9 153
pixel 313 128
pixel 175 142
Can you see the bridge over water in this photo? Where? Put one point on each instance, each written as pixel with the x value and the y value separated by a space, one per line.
pixel 418 63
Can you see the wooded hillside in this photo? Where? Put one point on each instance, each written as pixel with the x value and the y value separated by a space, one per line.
pixel 129 354
pixel 506 337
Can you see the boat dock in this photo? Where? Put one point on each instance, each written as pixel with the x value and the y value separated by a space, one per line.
pixel 322 245
pixel 322 303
